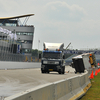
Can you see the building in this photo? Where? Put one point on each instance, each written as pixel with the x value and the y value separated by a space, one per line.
pixel 24 32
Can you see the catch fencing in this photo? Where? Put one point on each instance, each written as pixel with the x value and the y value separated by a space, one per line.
pixel 18 57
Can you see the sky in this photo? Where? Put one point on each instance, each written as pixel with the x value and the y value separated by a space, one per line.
pixel 59 21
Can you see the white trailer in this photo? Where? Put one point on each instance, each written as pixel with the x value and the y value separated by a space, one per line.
pixel 84 61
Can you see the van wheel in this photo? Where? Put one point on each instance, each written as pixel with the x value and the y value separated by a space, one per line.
pixel 59 72
pixel 42 71
pixel 48 72
pixel 63 70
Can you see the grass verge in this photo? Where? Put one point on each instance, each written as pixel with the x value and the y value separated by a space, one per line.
pixel 94 92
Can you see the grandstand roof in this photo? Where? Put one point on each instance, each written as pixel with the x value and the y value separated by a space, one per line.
pixel 16 16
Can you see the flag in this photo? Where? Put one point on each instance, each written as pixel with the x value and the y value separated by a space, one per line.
pixel 5 30
pixel 15 36
pixel 1 29
pixel 11 35
pixel 18 49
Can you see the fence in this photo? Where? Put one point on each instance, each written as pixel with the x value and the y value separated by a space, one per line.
pixel 18 57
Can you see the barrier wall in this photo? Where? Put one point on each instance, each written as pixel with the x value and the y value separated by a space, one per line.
pixel 66 89
pixel 19 65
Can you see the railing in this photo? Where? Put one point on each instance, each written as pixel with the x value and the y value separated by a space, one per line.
pixel 18 57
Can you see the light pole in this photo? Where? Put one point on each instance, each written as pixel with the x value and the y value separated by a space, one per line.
pixel 38 49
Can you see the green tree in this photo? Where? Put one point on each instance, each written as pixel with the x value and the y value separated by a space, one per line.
pixel 35 52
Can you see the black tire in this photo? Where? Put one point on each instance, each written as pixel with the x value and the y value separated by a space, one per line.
pixel 42 71
pixel 75 72
pixel 48 72
pixel 59 72
pixel 63 70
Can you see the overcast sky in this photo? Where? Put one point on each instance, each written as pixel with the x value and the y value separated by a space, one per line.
pixel 60 21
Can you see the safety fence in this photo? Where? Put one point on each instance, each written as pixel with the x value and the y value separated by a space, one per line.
pixel 18 57
pixel 66 89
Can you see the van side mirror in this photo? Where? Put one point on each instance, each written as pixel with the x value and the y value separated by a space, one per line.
pixel 39 56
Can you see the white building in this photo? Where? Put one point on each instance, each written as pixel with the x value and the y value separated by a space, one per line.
pixel 24 32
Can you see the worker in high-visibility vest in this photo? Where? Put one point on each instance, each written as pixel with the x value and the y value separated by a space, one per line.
pixel 91 60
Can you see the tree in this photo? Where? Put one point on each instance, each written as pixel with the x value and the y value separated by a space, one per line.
pixel 35 52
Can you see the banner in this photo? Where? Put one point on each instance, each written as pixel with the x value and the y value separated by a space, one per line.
pixel 81 51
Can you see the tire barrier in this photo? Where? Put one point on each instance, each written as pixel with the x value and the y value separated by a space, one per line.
pixel 67 89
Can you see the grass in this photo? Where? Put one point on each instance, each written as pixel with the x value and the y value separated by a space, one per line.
pixel 94 92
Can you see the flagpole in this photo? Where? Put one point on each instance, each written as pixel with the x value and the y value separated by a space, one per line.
pixel 2 47
pixel 13 41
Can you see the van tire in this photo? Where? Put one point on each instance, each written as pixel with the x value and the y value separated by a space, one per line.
pixel 63 70
pixel 42 71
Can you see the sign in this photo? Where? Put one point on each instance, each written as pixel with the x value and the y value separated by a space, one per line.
pixel 81 51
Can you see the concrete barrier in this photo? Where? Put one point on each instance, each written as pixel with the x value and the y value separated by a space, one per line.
pixel 66 89
pixel 19 65
pixel 44 92
pixel 63 90
pixel 76 88
pixel 87 83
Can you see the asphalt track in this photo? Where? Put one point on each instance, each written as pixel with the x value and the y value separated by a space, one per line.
pixel 13 81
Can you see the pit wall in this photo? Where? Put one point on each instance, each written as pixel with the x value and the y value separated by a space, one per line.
pixel 18 65
pixel 67 89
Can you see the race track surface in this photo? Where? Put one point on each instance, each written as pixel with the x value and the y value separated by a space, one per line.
pixel 17 80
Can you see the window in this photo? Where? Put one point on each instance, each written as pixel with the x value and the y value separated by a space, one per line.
pixel 10 24
pixel 1 24
pixel 24 33
pixel 52 55
pixel 25 41
pixel 26 50
pixel 18 33
pixel 22 41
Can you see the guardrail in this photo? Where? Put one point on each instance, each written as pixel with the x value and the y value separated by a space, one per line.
pixel 66 89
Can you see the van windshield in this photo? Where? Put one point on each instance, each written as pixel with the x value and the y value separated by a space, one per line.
pixel 52 55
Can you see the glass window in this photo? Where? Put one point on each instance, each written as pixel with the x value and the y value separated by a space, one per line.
pixel 26 50
pixel 17 33
pixel 22 41
pixel 23 33
pixel 1 24
pixel 52 55
pixel 27 41
pixel 10 24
